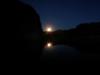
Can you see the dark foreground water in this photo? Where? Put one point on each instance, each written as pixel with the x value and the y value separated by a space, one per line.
pixel 60 54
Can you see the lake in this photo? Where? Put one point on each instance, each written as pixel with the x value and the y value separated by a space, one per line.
pixel 60 54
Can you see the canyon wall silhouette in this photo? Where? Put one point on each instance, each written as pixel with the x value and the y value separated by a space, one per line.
pixel 85 37
pixel 29 35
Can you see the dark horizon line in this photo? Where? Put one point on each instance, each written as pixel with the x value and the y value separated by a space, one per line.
pixel 62 29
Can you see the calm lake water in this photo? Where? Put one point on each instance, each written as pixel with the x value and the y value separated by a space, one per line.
pixel 60 54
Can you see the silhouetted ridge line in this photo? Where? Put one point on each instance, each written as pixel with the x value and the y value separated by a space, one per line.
pixel 29 35
pixel 84 37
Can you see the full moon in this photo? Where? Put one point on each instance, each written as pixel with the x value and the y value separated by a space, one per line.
pixel 49 29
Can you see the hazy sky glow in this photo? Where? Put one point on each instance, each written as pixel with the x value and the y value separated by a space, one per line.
pixel 65 14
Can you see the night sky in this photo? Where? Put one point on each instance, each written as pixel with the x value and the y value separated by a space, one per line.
pixel 65 14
